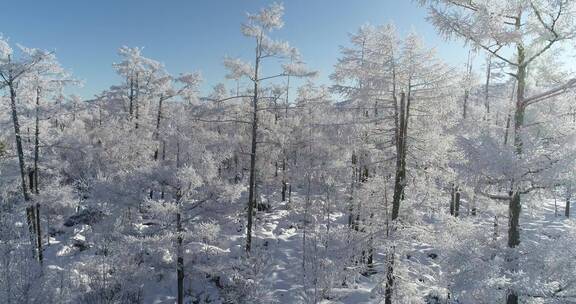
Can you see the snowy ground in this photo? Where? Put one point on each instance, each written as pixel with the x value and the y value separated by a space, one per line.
pixel 277 232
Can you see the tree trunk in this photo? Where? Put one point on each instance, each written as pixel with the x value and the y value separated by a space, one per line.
pixel 351 217
pixel 157 135
pixel 401 120
pixel 137 102
pixel 37 141
pixel 158 119
pixel 131 97
pixel 389 278
pixel 567 208
pixel 487 86
pixel 31 221
pixel 457 203
pixel 515 205
pixel 513 240
pixel 399 182
pixel 284 185
pixel 252 179
pixel 39 234
pixel 511 298
pixel 519 111
pixel 452 199
pixel 19 149
pixel 36 170
pixel 370 258
pixel 180 258
pixel 284 188
pixel 179 239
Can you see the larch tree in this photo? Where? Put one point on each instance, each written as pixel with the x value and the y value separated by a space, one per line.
pixel 527 29
pixel 21 72
pixel 258 27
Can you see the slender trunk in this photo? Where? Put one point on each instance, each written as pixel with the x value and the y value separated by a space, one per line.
pixel 39 234
pixel 137 102
pixel 401 123
pixel 158 119
pixel 452 199
pixel 351 217
pixel 305 233
pixel 19 149
pixel 100 115
pixel 284 185
pixel 465 104
pixel 514 210
pixel 179 239
pixel 487 87
pixel 37 141
pixel 31 179
pixel 31 221
pixel 519 111
pixel 38 230
pixel 567 208
pixel 507 128
pixel 370 258
pixel 157 135
pixel 399 182
pixel 457 203
pixel 568 197
pixel 389 288
pixel 131 96
pixel 402 114
pixel 180 258
pixel 252 180
pixel 515 205
pixel 509 116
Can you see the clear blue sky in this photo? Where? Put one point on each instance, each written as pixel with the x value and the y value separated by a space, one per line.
pixel 196 35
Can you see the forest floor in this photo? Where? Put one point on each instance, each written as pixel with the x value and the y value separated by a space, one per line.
pixel 279 236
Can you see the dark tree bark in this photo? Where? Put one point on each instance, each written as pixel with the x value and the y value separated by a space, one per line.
pixel 514 218
pixel 457 203
pixel 284 184
pixel 37 141
pixel 137 102
pixel 487 87
pixel 179 238
pixel 131 96
pixel 252 178
pixel 39 234
pixel 452 199
pixel 157 134
pixel 18 137
pixel 31 221
pixel 38 230
pixel 515 205
pixel 180 260
pixel 514 210
pixel 400 176
pixel 389 288
pixel 567 208
pixel 158 120
pixel 402 113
